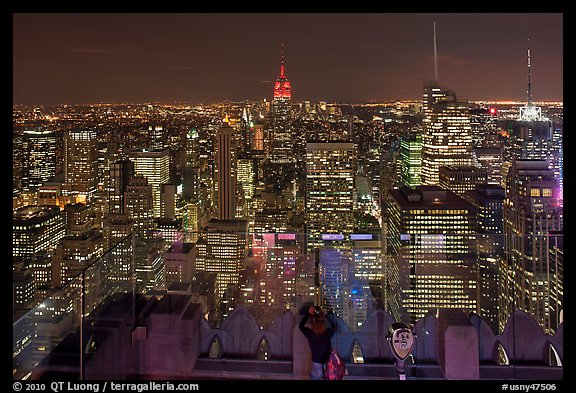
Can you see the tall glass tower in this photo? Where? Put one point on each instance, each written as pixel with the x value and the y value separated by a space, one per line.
pixel 191 172
pixel 155 166
pixel 534 137
pixel 411 160
pixel 80 165
pixel 533 225
pixel 329 190
pixel 226 167
pixel 39 158
pixel 432 253
pixel 447 136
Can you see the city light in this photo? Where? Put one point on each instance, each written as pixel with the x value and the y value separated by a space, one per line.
pixel 208 230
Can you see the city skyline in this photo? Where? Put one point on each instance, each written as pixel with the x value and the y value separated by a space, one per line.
pixel 342 57
pixel 158 236
pixel 340 226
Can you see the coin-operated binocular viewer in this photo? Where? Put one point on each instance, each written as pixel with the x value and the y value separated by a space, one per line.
pixel 401 340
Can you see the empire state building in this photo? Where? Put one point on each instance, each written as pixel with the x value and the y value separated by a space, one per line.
pixel 280 121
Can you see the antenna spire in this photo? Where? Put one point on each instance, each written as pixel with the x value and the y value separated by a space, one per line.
pixel 529 79
pixel 531 112
pixel 435 56
pixel 282 63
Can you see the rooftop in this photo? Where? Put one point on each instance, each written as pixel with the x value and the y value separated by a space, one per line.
pixel 237 226
pixel 180 248
pixel 429 197
pixel 462 168
pixel 34 213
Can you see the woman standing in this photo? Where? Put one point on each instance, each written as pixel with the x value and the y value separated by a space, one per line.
pixel 319 337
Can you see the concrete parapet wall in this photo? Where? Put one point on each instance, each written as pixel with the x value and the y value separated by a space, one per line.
pixel 170 338
pixel 457 345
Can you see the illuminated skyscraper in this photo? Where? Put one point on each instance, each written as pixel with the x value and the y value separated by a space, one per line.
pixel 460 179
pixel 35 229
pixel 138 204
pixel 246 128
pixel 537 140
pixel 17 158
pixel 433 262
pixel 246 182
pixel 192 147
pixel 533 225
pixel 179 263
pixel 390 168
pixel 168 230
pixel 38 152
pixel 49 194
pixel 117 227
pixel 191 172
pixel 330 169
pixel 280 121
pixel 482 124
pixel 41 267
pixel 23 290
pixel 276 256
pixel 534 137
pixel 226 151
pixel 107 153
pixel 447 131
pixel 367 276
pixel 149 265
pixel 246 176
pixel 490 158
pixel 258 136
pixel 222 250
pixel 155 166
pixel 411 160
pixel 168 194
pixel 155 137
pixel 117 245
pixel 271 221
pixel 367 259
pixel 284 260
pixel 80 165
pixel 74 254
pixel 120 173
pixel 334 269
pixel 329 219
pixel 191 223
pixel 78 218
pixel 447 137
pixel 488 200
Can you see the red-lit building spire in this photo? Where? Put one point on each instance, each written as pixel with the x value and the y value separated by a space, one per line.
pixel 282 88
pixel 282 63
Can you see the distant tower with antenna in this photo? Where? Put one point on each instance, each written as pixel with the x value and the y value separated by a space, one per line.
pixel 532 217
pixel 280 128
pixel 442 278
pixel 447 133
pixel 530 112
pixel 533 136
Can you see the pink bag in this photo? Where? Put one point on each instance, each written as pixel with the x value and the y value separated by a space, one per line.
pixel 335 367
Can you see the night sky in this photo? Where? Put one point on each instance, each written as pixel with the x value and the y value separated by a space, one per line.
pixel 343 57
